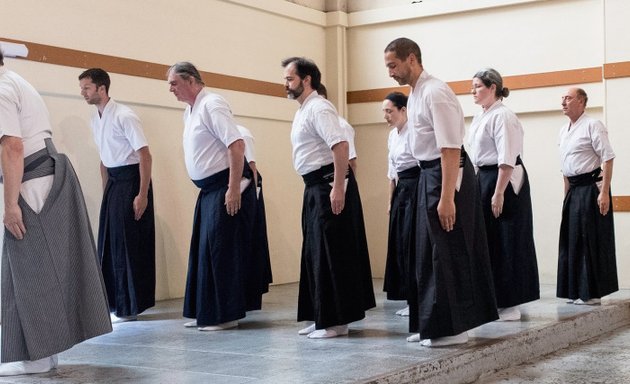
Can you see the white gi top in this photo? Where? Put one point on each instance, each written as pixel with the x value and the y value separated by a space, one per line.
pixel 249 143
pixel 118 135
pixel 495 137
pixel 584 146
pixel 314 132
pixel 23 112
pixel 399 157
pixel 436 118
pixel 349 132
pixel 209 129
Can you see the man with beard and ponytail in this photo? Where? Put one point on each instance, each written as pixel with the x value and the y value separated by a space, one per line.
pixel 453 289
pixel 126 231
pixel 587 267
pixel 335 278
pixel 218 292
pixel 53 295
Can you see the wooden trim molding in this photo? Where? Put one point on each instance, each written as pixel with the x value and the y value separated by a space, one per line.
pixel 621 203
pixel 617 70
pixel 125 66
pixel 122 65
pixel 533 80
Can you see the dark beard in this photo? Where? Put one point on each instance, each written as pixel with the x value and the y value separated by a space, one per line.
pixel 295 93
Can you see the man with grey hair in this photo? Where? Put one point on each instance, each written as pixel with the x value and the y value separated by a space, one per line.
pixel 218 292
pixel 587 268
pixel 53 295
pixel 452 289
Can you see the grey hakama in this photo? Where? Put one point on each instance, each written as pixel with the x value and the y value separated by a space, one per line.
pixel 53 295
pixel 510 240
pixel 217 290
pixel 335 277
pixel 400 244
pixel 587 266
pixel 453 279
pixel 126 246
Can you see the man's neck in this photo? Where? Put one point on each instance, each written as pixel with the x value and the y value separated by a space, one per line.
pixel 304 95
pixel 415 77
pixel 196 93
pixel 101 106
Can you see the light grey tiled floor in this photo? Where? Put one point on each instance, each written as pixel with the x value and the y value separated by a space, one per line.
pixel 266 348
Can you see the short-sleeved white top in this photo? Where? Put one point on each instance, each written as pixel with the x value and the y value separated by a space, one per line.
pixel 209 129
pixel 495 137
pixel 584 146
pixel 435 118
pixel 250 153
pixel 23 112
pixel 314 132
pixel 118 135
pixel 399 157
pixel 349 131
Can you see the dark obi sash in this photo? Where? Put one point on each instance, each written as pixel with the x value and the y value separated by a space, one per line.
pixel 411 173
pixel 586 178
pixel 495 166
pixel 325 174
pixel 220 179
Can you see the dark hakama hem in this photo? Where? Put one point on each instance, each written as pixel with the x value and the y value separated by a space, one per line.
pixel 335 278
pixel 400 245
pixel 126 247
pixel 53 295
pixel 453 278
pixel 510 241
pixel 587 265
pixel 220 248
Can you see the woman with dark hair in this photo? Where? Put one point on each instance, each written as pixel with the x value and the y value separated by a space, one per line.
pixel 403 173
pixel 496 147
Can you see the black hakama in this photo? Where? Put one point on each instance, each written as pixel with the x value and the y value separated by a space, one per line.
pixel 335 277
pixel 126 247
pixel 220 251
pixel 259 274
pixel 587 266
pixel 453 279
pixel 400 245
pixel 510 240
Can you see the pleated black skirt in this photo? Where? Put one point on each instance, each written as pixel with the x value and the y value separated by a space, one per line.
pixel 587 266
pixel 510 241
pixel 220 250
pixel 400 246
pixel 453 284
pixel 126 247
pixel 335 277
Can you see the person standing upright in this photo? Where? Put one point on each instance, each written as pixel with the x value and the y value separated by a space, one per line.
pixel 496 150
pixel 126 231
pixel 453 284
pixel 335 276
pixel 587 265
pixel 53 295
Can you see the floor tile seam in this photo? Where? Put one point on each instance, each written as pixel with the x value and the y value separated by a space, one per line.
pixel 148 368
pixel 486 351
